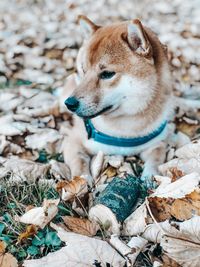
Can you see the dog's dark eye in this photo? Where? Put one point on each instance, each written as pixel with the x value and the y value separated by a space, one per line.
pixel 106 75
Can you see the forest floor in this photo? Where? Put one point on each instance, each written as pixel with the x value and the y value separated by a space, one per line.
pixel 44 213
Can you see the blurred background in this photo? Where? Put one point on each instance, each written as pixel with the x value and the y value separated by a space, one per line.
pixel 39 39
pixel 39 42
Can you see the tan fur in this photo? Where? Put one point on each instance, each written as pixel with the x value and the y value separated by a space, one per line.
pixel 109 48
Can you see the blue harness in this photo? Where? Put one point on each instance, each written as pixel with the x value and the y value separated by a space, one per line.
pixel 118 141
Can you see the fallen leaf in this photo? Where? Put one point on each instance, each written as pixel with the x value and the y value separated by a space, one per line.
pixel 81 225
pixel 186 208
pixel 41 104
pixel 176 174
pixel 187 166
pixel 183 245
pixel 136 222
pixel 110 172
pixel 137 244
pixel 2 247
pixel 7 259
pixel 59 170
pixel 115 160
pixel 188 151
pixel 154 231
pixel 11 128
pixel 166 262
pixel 45 139
pixel 178 199
pixel 76 187
pixel 23 170
pixel 96 164
pixel 131 250
pixel 40 216
pixel 179 188
pixel 189 129
pixel 80 251
pixel 30 231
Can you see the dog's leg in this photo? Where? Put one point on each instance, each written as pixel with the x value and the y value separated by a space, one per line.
pixel 152 158
pixel 76 158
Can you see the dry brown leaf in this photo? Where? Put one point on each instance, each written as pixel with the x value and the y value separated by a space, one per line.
pixel 40 216
pixel 168 262
pixel 176 174
pixel 81 226
pixel 160 208
pixel 80 251
pixel 184 209
pixel 189 129
pixel 179 199
pixel 30 231
pixel 76 187
pixel 8 260
pixel 110 172
pixel 2 247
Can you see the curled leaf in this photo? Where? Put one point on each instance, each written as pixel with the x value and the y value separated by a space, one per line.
pixel 40 216
pixel 76 187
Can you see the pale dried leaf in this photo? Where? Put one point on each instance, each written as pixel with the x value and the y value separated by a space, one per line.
pixel 105 217
pixel 183 245
pixel 46 139
pixel 137 244
pixel 40 216
pixel 96 165
pixel 187 166
pixel 136 222
pixel 23 170
pixel 179 188
pixel 59 170
pixel 11 128
pixel 189 151
pixel 80 251
pixel 154 231
pixel 8 260
pixel 42 104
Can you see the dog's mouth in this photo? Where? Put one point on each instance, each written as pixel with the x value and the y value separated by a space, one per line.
pixel 108 108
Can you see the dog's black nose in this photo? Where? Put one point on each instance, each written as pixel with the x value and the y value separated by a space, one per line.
pixel 72 103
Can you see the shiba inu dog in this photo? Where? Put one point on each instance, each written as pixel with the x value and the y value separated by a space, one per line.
pixel 121 96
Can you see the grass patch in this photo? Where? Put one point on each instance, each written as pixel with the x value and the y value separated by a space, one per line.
pixel 14 199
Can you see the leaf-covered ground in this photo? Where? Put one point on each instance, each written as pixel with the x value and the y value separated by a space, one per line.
pixel 41 210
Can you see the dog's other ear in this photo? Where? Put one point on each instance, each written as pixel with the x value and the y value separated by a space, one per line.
pixel 137 38
pixel 87 25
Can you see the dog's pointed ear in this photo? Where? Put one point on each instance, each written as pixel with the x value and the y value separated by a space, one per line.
pixel 138 39
pixel 87 25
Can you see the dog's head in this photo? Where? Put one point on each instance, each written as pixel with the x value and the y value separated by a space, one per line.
pixel 117 70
